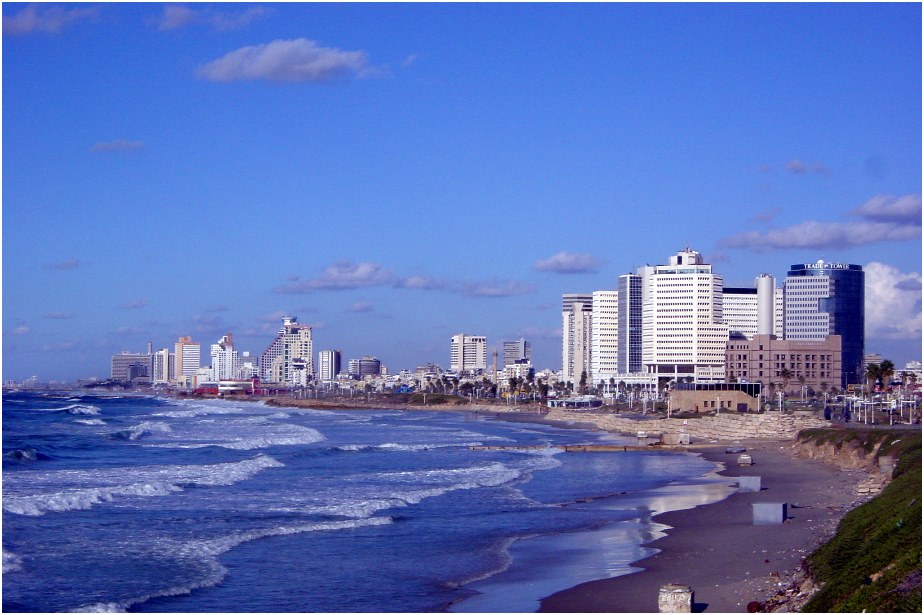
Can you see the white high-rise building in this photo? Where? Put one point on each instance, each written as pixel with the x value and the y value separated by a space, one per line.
pixel 186 358
pixel 604 336
pixel 225 362
pixel 288 359
pixel 163 366
pixel 576 325
pixel 328 365
pixel 683 335
pixel 739 311
pixel 468 353
pixel 751 311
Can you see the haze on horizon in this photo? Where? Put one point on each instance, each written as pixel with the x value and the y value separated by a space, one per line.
pixel 394 174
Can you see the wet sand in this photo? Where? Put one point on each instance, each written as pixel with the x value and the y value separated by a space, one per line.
pixel 717 551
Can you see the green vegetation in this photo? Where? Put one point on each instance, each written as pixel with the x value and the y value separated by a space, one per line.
pixel 873 563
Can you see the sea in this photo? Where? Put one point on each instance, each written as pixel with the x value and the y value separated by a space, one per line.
pixel 153 504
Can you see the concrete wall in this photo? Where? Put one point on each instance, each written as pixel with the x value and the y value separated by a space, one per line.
pixel 770 425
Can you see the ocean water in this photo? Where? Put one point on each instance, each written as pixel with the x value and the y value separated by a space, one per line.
pixel 148 504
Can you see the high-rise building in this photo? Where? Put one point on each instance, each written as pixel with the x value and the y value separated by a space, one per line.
pixel 739 311
pixel 186 357
pixel 519 350
pixel 328 365
pixel 225 362
pixel 576 316
pixel 682 331
pixel 629 359
pixel 823 299
pixel 127 366
pixel 163 362
pixel 366 366
pixel 468 353
pixel 294 341
pixel 604 336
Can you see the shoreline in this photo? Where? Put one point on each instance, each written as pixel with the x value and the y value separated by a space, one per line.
pixel 716 551
pixel 714 548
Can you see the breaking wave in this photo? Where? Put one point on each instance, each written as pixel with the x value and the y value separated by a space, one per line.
pixel 209 550
pixel 147 481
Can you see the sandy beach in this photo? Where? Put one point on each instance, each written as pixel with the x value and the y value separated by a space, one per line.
pixel 718 552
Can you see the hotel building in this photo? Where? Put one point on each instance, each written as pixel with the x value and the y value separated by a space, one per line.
pixel 468 353
pixel 683 335
pixel 576 314
pixel 288 358
pixel 186 358
pixel 604 336
pixel 225 362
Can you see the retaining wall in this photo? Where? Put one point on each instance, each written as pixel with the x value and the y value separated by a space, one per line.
pixel 770 425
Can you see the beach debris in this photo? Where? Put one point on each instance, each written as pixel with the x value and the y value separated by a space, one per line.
pixel 674 598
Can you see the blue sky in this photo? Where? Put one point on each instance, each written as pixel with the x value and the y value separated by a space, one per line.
pixel 394 174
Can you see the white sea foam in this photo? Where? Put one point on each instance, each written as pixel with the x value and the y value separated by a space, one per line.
pixel 11 562
pixel 208 550
pixel 146 481
pixel 74 409
pixel 144 429
pixel 395 446
pixel 198 410
pixel 90 421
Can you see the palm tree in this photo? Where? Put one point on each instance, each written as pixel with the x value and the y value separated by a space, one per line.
pixel 872 375
pixel 785 375
pixel 886 371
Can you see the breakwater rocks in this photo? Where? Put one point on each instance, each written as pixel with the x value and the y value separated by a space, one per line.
pixel 770 425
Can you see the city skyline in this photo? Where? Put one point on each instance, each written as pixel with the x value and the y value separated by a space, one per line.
pixel 394 175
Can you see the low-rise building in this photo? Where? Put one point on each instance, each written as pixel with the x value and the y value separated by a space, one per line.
pixel 788 364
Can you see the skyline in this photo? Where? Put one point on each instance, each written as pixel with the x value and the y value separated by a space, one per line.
pixel 397 174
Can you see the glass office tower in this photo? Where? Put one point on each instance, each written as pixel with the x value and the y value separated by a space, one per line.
pixel 823 299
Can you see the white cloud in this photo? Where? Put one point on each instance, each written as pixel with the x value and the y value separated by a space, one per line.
pixel 119 145
pixel 299 60
pixel 71 263
pixel 568 262
pixel 799 167
pixel 905 209
pixel 343 275
pixel 177 16
pixel 497 289
pixel 893 302
pixel 419 282
pixel 884 218
pixel 47 19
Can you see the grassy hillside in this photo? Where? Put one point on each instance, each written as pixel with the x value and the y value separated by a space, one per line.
pixel 873 563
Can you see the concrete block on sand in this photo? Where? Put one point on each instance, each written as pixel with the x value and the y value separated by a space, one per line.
pixel 675 599
pixel 768 513
pixel 748 483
